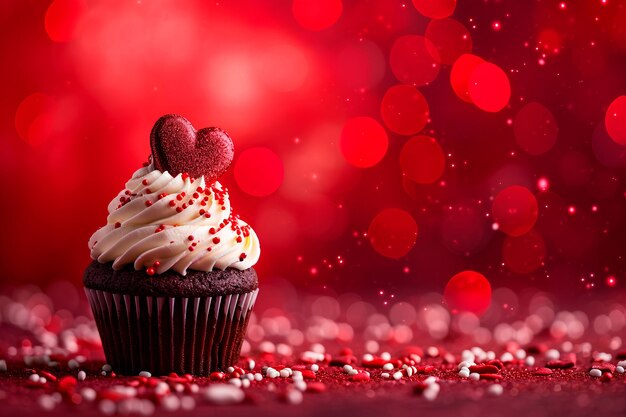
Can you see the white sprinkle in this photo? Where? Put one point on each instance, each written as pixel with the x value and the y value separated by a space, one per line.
pixel 179 388
pixel 465 364
pixel 235 381
pixel 622 363
pixel 474 376
pixel 170 403
pixel 46 402
pixel 42 380
pixel 230 369
pixel 103 373
pixel 552 354
pixel 467 356
pixel 89 394
pixel 107 368
pixel 73 364
pixel 318 348
pixel 34 378
pixel 3 365
pixel 506 357
pixel 397 375
pixel 315 367
pixel 145 374
pixel 81 375
pixel 385 375
pixel 293 397
pixel 284 373
pixel 491 355
pixel 224 394
pixel 162 388
pixel 368 357
pixel 258 377
pixel 619 369
pixel 430 380
pixel 530 361
pixel 404 366
pixel 251 364
pixel 347 368
pixel 297 376
pixel 386 356
pixel 300 385
pixel 464 373
pixel 250 376
pixel 431 392
pixel 107 407
pixel 409 371
pixel 353 372
pixel 245 383
pixel 595 373
pixel 388 367
pixel 187 403
pixel 495 389
pixel 194 388
pixel 520 354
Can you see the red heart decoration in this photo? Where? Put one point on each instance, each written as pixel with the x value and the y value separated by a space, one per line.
pixel 178 148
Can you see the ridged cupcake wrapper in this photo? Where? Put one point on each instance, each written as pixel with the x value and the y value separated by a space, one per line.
pixel 162 334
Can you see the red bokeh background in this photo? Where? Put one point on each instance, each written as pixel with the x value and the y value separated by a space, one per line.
pixel 328 137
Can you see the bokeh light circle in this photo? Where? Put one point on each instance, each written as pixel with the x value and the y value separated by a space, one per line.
pixel 422 159
pixel 259 171
pixel 450 37
pixel 460 74
pixel 62 17
pixel 615 120
pixel 489 87
pixel 535 128
pixel 515 210
pixel 468 291
pixel 30 114
pixel 393 233
pixel 524 254
pixel 316 15
pixel 404 109
pixel 435 9
pixel 414 60
pixel 363 141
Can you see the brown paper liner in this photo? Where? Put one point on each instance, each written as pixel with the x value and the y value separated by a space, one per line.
pixel 163 335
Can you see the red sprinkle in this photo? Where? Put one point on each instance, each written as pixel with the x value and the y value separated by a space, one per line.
pixel 492 377
pixel 48 376
pixel 543 371
pixel 118 225
pixel 216 240
pixel 216 376
pixel 148 203
pixel 316 387
pixel 484 369
pixel 360 377
pixel 189 237
pixel 150 271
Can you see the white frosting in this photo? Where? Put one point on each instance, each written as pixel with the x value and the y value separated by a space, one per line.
pixel 160 222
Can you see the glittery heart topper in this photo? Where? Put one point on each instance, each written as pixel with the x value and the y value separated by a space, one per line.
pixel 178 148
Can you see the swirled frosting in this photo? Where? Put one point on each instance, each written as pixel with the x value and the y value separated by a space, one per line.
pixel 161 222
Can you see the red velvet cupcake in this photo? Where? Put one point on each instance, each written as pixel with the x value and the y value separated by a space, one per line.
pixel 172 282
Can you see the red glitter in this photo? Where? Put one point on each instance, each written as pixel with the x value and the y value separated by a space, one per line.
pixel 239 240
pixel 148 203
pixel 144 182
pixel 150 271
pixel 172 203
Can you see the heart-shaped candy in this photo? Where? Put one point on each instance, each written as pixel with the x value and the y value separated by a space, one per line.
pixel 178 148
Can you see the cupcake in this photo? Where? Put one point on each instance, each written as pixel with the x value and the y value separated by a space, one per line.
pixel 172 282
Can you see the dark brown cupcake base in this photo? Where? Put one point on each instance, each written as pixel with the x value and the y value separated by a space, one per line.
pixel 171 334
